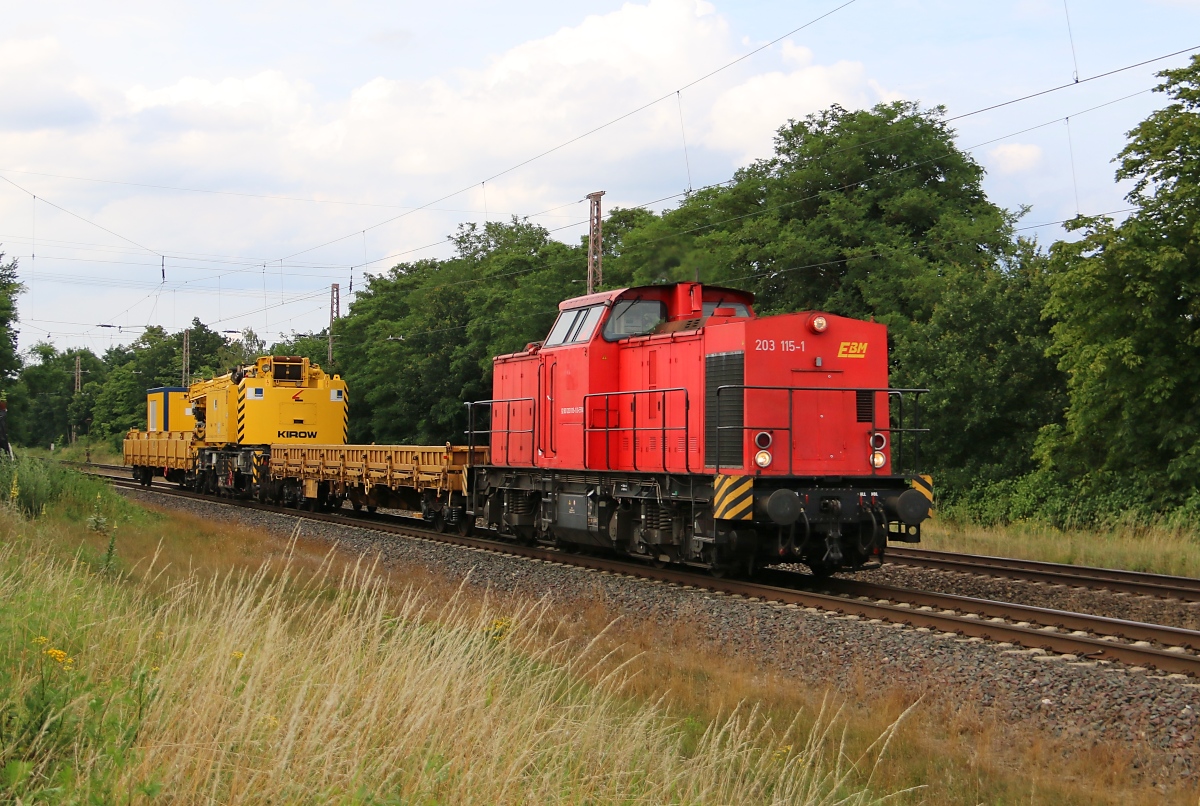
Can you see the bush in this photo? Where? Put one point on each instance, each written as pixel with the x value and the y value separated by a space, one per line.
pixel 1100 499
pixel 37 487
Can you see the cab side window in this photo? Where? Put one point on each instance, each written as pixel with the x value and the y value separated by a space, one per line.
pixel 574 326
pixel 634 317
pixel 739 308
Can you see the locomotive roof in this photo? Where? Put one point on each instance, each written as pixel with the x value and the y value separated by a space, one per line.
pixel 608 296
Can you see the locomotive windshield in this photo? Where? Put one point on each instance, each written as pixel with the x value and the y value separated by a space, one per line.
pixel 634 317
pixel 574 326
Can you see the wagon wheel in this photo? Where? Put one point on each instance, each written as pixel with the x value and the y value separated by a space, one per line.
pixel 466 526
pixel 439 522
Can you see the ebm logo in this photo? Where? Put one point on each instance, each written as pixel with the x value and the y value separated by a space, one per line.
pixel 852 349
pixel 297 435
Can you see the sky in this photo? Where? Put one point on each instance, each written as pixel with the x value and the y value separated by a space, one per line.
pixel 229 161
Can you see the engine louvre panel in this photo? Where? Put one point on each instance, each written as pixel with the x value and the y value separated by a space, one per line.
pixel 724 411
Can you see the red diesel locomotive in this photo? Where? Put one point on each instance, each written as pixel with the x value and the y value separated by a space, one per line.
pixel 672 423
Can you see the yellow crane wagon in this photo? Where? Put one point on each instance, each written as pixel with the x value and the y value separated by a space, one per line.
pixel 277 400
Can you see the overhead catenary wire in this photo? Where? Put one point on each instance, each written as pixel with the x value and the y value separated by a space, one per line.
pixel 1043 92
pixel 592 131
pixel 1071 38
pixel 268 196
pixel 876 254
pixel 951 119
pixel 683 135
pixel 810 197
pixel 1071 156
pixel 44 200
pixel 762 211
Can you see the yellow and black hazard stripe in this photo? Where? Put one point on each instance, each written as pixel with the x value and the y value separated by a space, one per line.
pixel 345 416
pixel 241 410
pixel 256 465
pixel 924 485
pixel 733 498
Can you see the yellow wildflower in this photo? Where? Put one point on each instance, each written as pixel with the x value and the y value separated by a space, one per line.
pixel 41 640
pixel 58 656
pixel 14 491
pixel 154 668
pixel 500 628
pixel 238 655
pixel 783 752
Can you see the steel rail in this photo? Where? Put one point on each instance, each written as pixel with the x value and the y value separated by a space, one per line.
pixel 1044 617
pixel 1160 585
pixel 902 613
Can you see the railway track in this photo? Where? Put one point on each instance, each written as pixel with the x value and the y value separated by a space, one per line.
pixel 1135 582
pixel 1083 637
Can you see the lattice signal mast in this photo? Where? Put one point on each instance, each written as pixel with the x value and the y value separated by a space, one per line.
pixel 595 275
pixel 335 313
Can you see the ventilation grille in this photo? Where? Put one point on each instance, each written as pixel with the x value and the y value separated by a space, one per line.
pixel 865 406
pixel 724 369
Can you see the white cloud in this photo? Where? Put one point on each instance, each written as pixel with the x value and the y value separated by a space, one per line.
pixel 745 118
pixel 1013 158
pixel 396 140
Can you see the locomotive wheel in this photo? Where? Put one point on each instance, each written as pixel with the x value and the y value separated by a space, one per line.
pixel 357 505
pixel 466 526
pixel 371 509
pixel 439 522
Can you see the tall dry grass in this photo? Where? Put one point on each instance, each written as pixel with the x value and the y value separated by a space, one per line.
pixel 256 687
pixel 1158 549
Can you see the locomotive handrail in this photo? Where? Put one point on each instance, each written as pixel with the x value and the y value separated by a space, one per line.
pixel 635 428
pixel 791 390
pixel 507 432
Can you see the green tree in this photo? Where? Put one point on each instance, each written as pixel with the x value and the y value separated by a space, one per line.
pixel 10 287
pixel 419 341
pixel 242 350
pixel 47 408
pixel 313 346
pixel 1126 300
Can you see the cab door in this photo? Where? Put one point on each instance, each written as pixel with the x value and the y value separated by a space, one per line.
pixel 547 410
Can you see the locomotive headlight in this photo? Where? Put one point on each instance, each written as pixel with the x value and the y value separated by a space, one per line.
pixel 818 324
pixel 878 460
pixel 762 458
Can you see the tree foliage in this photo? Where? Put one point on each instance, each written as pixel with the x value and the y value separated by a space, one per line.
pixel 10 288
pixel 1126 303
pixel 419 341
